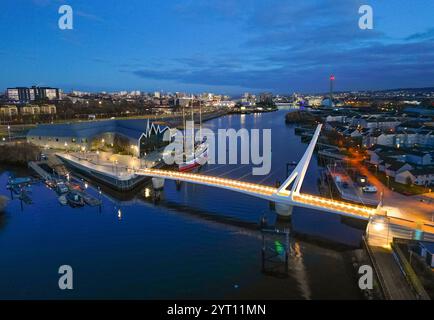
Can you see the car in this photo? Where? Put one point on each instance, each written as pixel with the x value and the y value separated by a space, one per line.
pixel 369 189
pixel 362 180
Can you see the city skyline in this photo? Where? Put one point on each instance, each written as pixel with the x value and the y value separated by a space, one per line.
pixel 228 48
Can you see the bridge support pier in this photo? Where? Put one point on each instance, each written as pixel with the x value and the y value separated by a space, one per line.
pixel 157 183
pixel 283 210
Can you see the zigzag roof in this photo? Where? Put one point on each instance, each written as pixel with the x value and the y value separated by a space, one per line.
pixel 133 128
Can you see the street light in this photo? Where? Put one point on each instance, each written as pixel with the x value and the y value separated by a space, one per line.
pixel 9 132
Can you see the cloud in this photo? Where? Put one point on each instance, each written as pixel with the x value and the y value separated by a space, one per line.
pixel 89 16
pixel 427 35
pixel 387 65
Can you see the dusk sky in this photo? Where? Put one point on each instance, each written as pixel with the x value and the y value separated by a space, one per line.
pixel 219 46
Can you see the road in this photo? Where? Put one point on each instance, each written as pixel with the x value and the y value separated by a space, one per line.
pixel 394 280
pixel 404 207
pixel 410 207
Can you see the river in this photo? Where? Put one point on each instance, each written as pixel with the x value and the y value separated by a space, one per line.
pixel 196 242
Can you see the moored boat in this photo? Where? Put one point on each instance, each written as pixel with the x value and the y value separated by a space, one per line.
pixel 61 188
pixel 62 200
pixel 74 199
pixel 199 152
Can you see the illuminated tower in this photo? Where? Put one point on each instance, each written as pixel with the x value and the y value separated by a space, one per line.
pixel 332 79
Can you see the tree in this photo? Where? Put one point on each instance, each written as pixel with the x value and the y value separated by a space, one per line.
pixel 120 144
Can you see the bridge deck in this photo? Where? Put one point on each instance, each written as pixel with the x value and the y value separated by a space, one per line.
pixel 209 180
pixel 268 192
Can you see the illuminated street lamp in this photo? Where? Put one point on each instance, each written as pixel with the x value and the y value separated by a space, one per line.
pixel 378 226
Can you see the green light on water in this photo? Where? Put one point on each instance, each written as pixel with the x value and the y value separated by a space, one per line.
pixel 279 247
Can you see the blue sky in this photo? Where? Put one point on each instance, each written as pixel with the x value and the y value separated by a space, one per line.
pixel 219 46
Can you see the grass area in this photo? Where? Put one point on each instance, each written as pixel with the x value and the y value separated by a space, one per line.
pixel 399 187
pixel 418 272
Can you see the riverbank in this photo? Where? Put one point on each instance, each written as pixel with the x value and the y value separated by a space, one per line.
pixel 19 153
pixel 301 116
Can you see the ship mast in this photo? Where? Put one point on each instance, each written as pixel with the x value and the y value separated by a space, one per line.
pixel 185 131
pixel 192 130
pixel 200 121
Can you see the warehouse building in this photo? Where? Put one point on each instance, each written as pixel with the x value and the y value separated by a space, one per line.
pixel 136 137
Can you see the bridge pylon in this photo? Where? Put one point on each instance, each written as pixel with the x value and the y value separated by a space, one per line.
pixel 297 175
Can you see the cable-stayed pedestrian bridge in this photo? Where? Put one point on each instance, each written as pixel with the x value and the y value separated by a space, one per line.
pixel 288 193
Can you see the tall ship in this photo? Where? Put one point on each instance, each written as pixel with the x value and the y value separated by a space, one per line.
pixel 198 155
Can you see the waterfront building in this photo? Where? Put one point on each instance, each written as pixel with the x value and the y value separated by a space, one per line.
pixel 225 104
pixel 420 176
pixel 30 110
pixel 20 94
pixel 136 137
pixel 184 101
pixel 25 94
pixel 314 101
pixel 48 109
pixel 8 111
pixel 266 98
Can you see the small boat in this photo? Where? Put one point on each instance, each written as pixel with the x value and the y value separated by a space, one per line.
pixel 61 188
pixel 74 186
pixel 74 199
pixel 19 181
pixel 62 200
pixel 90 200
pixel 50 183
pixel 16 184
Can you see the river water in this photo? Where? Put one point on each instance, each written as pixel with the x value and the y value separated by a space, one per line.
pixel 196 242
